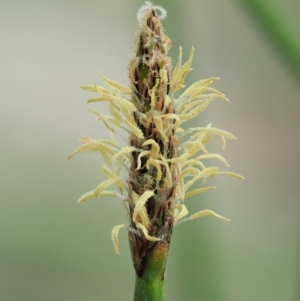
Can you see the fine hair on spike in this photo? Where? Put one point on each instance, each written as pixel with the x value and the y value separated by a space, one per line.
pixel 147 6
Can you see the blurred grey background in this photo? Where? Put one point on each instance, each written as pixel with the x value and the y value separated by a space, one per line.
pixel 53 249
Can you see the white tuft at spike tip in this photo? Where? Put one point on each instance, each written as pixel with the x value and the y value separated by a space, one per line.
pixel 147 6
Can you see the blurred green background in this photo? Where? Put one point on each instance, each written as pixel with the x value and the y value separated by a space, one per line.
pixel 53 249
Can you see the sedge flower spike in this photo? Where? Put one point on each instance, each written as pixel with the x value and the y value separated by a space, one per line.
pixel 154 173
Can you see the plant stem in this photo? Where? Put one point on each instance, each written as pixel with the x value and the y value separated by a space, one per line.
pixel 149 285
pixel 147 289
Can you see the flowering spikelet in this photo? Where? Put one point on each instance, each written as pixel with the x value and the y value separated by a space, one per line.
pixel 160 154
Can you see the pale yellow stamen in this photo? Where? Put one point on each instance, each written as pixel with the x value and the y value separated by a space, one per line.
pixel 145 231
pixel 196 177
pixel 154 152
pixel 223 142
pixel 189 171
pixel 179 213
pixel 141 202
pixel 122 102
pixel 115 112
pixel 134 129
pixel 179 130
pixel 128 115
pixel 168 173
pixel 194 112
pixel 153 91
pixel 142 212
pixel 174 117
pixel 208 156
pixel 205 138
pixel 108 172
pixel 196 96
pixel 191 105
pixel 90 195
pixel 199 190
pixel 111 175
pixel 155 163
pixel 196 86
pixel 167 102
pixel 177 67
pixel 202 214
pixel 115 85
pixel 232 174
pixel 206 213
pixel 159 126
pixel 94 88
pixel 114 236
pixel 124 151
pixel 207 172
pixel 180 72
pixel 163 75
pixel 142 154
pixel 107 117
pixel 195 163
pixel 213 131
pixel 180 186
pixel 105 184
pixel 101 145
pixel 194 147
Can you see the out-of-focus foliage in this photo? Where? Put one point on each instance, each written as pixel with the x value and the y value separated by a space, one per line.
pixel 279 22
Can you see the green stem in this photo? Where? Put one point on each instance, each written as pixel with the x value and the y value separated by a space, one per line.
pixel 149 285
pixel 148 289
